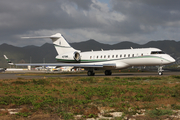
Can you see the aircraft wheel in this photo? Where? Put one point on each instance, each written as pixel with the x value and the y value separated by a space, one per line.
pixel 93 74
pixel 108 72
pixel 90 73
pixel 160 73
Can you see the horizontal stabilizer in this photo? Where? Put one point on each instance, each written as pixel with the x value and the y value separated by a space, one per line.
pixel 35 37
pixel 55 36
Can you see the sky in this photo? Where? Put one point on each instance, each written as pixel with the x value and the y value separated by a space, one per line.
pixel 106 21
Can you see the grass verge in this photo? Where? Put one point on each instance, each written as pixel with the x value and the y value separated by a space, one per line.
pixel 66 97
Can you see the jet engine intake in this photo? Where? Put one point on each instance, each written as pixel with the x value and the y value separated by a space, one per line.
pixel 77 56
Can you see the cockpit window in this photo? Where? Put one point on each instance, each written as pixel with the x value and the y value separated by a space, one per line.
pixel 157 52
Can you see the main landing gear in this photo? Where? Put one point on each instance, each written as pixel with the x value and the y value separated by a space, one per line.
pixel 160 70
pixel 90 73
pixel 108 72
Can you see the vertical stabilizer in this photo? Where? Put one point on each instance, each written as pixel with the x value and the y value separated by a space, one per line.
pixel 61 45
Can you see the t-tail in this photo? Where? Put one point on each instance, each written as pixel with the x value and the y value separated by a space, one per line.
pixel 61 45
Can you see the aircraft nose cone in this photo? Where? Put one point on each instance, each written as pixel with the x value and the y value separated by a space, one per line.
pixel 171 59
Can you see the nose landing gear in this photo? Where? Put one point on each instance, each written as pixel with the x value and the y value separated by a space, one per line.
pixel 160 70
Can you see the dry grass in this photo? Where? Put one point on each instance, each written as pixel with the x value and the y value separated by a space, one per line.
pixel 4 112
pixel 24 110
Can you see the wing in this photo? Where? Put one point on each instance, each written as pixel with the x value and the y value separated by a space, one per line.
pixel 80 65
pixel 76 65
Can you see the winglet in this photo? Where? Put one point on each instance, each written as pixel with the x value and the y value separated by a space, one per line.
pixel 8 61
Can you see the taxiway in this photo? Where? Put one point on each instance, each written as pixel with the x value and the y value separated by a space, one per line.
pixel 43 75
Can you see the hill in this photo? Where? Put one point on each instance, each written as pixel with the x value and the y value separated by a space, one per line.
pixel 47 52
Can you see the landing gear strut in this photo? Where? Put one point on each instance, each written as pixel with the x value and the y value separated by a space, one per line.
pixel 90 73
pixel 108 72
pixel 160 70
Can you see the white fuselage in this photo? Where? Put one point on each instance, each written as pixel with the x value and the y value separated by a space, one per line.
pixel 108 59
pixel 122 58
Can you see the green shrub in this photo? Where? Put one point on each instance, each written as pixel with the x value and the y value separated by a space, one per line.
pixel 107 78
pixel 20 82
pixel 176 76
pixel 176 107
pixel 88 80
pixel 25 114
pixel 159 112
pixel 40 82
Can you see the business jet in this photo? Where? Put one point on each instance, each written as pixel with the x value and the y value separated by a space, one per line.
pixel 105 59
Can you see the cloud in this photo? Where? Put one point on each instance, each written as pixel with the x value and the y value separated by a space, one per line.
pixel 149 15
pixel 107 22
pixel 82 4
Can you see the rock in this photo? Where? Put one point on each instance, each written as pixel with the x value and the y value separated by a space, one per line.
pixel 116 114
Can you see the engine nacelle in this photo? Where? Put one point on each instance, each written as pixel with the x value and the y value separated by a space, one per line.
pixel 69 57
pixel 77 56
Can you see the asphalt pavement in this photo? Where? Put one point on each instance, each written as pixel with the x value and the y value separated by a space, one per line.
pixel 19 75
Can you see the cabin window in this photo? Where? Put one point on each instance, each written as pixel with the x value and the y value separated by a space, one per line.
pixel 128 55
pixel 97 57
pixel 90 57
pixel 112 56
pixel 124 55
pixel 104 56
pixel 120 56
pixel 116 56
pixel 142 54
pixel 108 56
pixel 132 55
pixel 101 56
pixel 157 52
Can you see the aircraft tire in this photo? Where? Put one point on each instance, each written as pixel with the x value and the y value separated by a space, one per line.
pixel 90 73
pixel 108 72
pixel 160 73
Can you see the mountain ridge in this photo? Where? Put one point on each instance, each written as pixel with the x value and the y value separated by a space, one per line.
pixel 47 52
